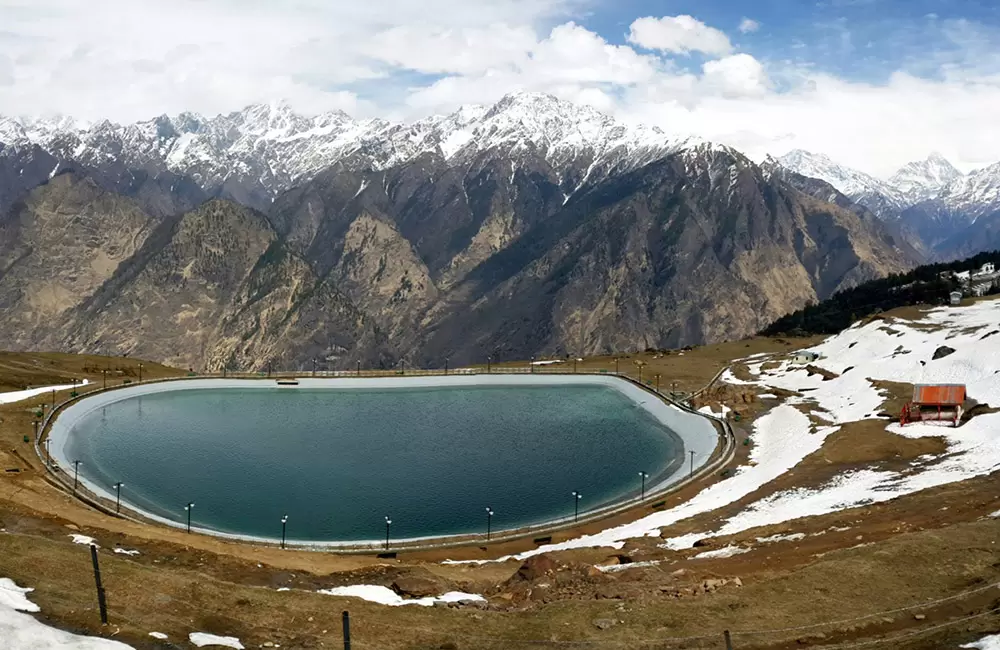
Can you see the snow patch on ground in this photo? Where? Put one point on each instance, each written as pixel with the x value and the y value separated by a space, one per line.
pixel 725 551
pixel 14 597
pixel 386 596
pixel 991 642
pixel 547 363
pixel 126 551
pixel 158 635
pixel 201 639
pixel 20 631
pixel 995 515
pixel 18 395
pixel 83 539
pixel 708 410
pixel 794 537
pixel 615 568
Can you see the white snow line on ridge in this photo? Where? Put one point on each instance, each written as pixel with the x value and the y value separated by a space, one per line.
pixel 202 639
pixel 386 596
pixel 18 395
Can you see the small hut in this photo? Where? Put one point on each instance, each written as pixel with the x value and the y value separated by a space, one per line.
pixel 934 403
pixel 956 297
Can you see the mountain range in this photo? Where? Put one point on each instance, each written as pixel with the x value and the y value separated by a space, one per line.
pixel 530 227
pixel 949 215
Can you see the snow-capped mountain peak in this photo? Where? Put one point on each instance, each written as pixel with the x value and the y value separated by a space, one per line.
pixel 924 179
pixel 878 196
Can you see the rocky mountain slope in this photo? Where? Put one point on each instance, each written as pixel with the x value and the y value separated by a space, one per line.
pixel 524 246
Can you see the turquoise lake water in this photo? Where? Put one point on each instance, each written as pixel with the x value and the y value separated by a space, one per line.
pixel 337 461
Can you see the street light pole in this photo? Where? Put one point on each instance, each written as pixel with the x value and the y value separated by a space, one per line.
pixel 576 505
pixel 359 368
pixel 489 365
pixel 105 378
pixel 692 462
pixel 532 367
pixel 36 423
pixel 48 452
pixel 446 365
pixel 189 507
pixel 284 523
pixel 643 476
pixel 616 366
pixel 657 382
pixel 388 522
pixel 314 367
pixel 118 498
pixel 574 365
pixel 76 473
pixel 489 522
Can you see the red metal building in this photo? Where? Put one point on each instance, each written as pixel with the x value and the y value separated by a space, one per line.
pixel 935 402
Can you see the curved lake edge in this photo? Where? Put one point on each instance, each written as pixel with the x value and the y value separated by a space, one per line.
pixel 696 433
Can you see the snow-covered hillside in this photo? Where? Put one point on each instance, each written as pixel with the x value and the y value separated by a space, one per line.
pixel 878 196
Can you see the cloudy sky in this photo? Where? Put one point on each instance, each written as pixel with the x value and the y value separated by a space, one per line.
pixel 872 83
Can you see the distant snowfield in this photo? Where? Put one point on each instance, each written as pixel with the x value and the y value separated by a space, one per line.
pixel 986 643
pixel 894 350
pixel 19 395
pixel 20 631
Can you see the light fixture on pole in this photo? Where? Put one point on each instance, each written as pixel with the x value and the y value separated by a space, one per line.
pixel 359 368
pixel 489 365
pixel 188 508
pixel 576 505
pixel 388 522
pixel 489 522
pixel 532 367
pixel 76 473
pixel 284 523
pixel 643 476
pixel 118 497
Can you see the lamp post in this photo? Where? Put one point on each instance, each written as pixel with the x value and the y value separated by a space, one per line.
pixel 489 365
pixel 35 422
pixel 616 365
pixel 446 365
pixel 692 462
pixel 118 498
pixel 53 399
pixel 574 365
pixel 657 376
pixel 48 452
pixel 532 366
pixel 76 474
pixel 576 505
pixel 388 522
pixel 268 368
pixel 140 372
pixel 188 508
pixel 489 522
pixel 105 378
pixel 359 368
pixel 284 523
pixel 643 476
pixel 402 366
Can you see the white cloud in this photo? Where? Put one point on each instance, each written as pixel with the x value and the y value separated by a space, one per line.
pixel 738 75
pixel 748 26
pixel 400 59
pixel 679 35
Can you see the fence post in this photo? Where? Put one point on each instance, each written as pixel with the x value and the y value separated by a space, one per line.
pixel 100 588
pixel 347 631
pixel 729 640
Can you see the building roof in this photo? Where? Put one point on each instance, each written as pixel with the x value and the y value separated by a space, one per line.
pixel 939 394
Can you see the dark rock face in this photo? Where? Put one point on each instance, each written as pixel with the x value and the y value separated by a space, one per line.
pixel 535 567
pixel 419 585
pixel 942 352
